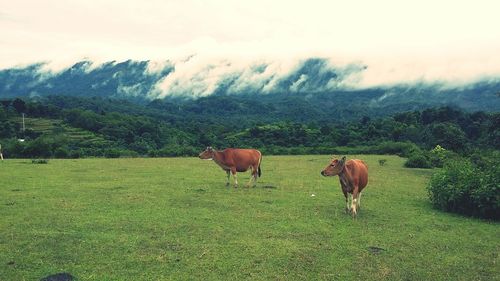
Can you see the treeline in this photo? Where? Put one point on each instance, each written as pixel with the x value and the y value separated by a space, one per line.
pixel 120 128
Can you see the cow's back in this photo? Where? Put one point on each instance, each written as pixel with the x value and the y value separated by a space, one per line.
pixel 242 158
pixel 359 170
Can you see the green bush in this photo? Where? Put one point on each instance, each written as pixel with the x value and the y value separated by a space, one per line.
pixel 128 153
pixel 61 152
pixel 465 188
pixel 418 160
pixel 74 154
pixel 112 153
pixel 403 149
pixel 438 156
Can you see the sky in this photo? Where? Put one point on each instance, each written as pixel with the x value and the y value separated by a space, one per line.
pixel 426 40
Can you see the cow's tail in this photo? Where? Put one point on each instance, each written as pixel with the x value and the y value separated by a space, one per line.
pixel 258 170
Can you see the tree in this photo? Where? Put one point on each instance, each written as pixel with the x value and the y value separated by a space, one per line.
pixel 19 105
pixel 448 135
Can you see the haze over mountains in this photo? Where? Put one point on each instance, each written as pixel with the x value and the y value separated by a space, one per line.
pixel 315 84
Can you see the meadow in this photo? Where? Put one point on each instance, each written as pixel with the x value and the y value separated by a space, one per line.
pixel 174 219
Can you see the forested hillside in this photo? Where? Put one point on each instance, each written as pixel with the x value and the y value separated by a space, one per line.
pixel 59 126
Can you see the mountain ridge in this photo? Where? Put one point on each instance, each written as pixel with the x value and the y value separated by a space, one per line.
pixel 315 85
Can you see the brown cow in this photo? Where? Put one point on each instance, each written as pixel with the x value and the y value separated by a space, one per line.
pixel 234 160
pixel 353 176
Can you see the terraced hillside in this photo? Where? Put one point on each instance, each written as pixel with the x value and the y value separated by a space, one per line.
pixel 44 126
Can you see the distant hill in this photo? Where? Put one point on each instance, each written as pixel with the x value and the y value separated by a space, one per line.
pixel 313 90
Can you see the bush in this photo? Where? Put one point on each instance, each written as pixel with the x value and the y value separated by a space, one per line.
pixel 403 149
pixel 74 154
pixel 112 153
pixel 39 161
pixel 129 153
pixel 438 156
pixel 418 160
pixel 61 152
pixel 464 188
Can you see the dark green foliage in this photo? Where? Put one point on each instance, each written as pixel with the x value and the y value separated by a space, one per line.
pixel 403 149
pixel 448 135
pixel 19 105
pixel 112 153
pixel 468 186
pixel 91 126
pixel 418 160
pixel 39 161
pixel 75 154
pixel 61 152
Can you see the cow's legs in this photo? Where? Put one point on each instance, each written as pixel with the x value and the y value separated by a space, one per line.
pixel 346 195
pixel 253 176
pixel 359 201
pixel 348 201
pixel 354 201
pixel 228 172
pixel 233 171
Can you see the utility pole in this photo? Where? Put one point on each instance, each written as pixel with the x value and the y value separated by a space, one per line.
pixel 24 128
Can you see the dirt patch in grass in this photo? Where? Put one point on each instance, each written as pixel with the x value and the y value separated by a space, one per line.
pixel 375 250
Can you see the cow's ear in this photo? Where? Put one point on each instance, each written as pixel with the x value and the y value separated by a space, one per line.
pixel 342 161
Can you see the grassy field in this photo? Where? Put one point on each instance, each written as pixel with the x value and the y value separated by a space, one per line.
pixel 173 218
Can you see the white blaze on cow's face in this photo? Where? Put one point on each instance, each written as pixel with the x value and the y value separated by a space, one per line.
pixel 207 154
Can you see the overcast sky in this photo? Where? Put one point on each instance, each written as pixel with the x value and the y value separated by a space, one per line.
pixel 428 36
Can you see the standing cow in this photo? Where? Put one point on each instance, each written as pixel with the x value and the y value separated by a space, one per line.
pixel 353 176
pixel 234 160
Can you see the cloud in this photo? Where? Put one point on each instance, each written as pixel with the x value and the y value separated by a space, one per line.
pixel 197 76
pixel 68 31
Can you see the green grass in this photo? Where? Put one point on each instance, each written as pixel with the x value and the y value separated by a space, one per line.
pixel 173 218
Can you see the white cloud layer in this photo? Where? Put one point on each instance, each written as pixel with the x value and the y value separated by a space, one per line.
pixel 399 41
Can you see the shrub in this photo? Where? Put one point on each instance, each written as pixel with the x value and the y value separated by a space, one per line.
pixel 381 162
pixel 153 153
pixel 403 149
pixel 464 188
pixel 39 161
pixel 129 153
pixel 61 152
pixel 438 156
pixel 75 154
pixel 418 160
pixel 112 153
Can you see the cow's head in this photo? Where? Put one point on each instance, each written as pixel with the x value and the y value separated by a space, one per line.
pixel 207 154
pixel 335 167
